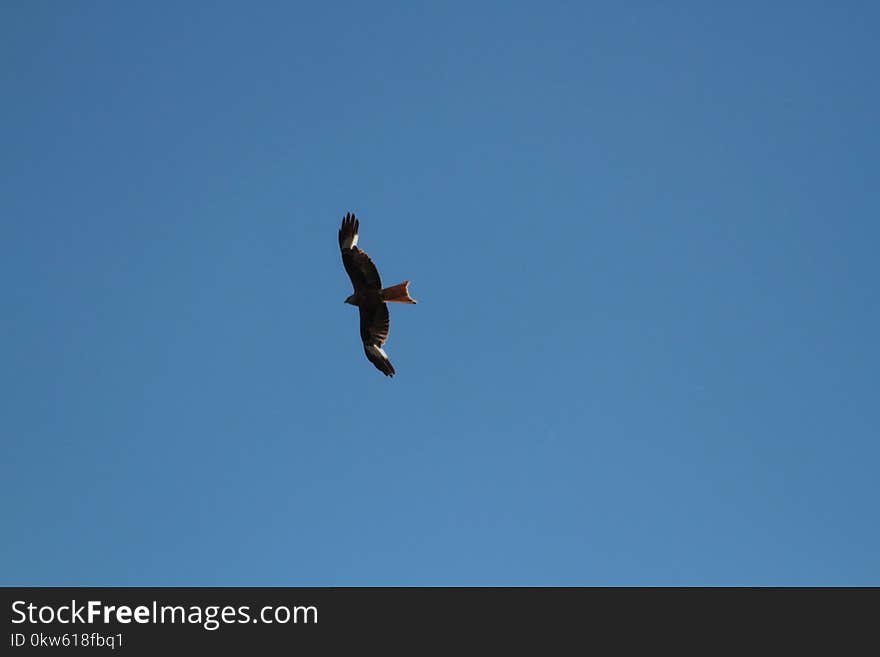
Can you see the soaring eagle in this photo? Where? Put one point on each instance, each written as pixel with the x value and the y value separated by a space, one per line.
pixel 369 296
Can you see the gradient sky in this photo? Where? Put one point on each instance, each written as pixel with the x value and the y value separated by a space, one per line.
pixel 643 237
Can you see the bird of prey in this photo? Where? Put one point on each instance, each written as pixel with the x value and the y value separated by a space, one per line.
pixel 369 296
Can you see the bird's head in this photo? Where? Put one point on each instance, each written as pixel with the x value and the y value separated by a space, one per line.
pixel 350 300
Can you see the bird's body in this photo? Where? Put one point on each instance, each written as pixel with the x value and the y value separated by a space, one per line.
pixel 365 297
pixel 369 295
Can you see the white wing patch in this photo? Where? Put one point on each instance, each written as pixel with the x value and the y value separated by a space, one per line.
pixel 377 349
pixel 350 242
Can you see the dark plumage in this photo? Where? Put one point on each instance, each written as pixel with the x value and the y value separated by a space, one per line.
pixel 369 296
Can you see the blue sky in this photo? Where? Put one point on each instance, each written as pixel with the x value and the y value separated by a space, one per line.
pixel 644 243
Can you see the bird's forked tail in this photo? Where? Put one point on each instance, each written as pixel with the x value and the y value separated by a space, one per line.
pixel 398 293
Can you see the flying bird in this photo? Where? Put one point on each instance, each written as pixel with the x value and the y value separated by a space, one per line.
pixel 369 296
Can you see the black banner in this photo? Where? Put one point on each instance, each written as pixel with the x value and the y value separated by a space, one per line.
pixel 153 620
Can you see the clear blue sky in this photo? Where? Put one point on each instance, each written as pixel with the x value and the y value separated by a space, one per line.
pixel 644 243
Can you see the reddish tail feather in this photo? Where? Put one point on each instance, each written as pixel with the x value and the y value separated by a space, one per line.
pixel 398 293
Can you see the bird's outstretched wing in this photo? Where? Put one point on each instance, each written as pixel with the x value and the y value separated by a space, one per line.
pixel 374 333
pixel 360 269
